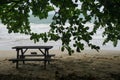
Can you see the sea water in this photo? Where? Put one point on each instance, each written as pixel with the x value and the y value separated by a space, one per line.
pixel 7 41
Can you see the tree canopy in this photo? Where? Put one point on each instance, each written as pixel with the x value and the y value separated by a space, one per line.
pixel 102 13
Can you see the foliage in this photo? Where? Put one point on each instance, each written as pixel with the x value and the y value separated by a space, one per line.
pixel 76 13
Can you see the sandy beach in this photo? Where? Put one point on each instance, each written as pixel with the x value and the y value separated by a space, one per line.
pixel 87 65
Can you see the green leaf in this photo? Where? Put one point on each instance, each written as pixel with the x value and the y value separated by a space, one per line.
pixel 78 49
pixel 115 42
pixel 74 45
pixel 62 48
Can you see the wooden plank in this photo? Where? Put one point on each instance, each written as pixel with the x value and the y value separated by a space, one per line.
pixel 32 47
pixel 15 60
pixel 35 55
pixel 30 59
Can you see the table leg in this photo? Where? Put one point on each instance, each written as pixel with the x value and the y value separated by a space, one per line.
pixel 22 55
pixel 17 64
pixel 18 56
pixel 17 53
pixel 45 62
pixel 48 57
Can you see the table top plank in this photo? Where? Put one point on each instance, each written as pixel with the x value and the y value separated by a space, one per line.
pixel 32 47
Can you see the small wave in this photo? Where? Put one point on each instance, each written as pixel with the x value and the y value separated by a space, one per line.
pixel 36 20
pixel 33 25
pixel 40 28
pixel 21 39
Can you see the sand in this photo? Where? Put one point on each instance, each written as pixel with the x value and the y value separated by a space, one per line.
pixel 87 65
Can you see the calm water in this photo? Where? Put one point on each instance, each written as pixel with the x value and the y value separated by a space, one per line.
pixel 9 40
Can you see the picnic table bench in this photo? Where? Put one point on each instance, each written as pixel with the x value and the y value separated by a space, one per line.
pixel 21 56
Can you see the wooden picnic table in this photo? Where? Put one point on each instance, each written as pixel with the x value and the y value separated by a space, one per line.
pixel 21 50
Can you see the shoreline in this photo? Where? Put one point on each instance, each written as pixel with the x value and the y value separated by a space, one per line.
pixel 11 53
